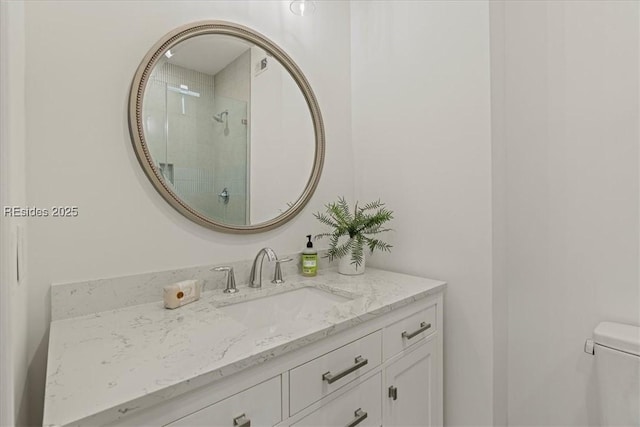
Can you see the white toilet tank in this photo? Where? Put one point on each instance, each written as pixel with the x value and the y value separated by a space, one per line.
pixel 617 352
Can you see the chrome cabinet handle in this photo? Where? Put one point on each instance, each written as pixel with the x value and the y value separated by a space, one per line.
pixel 241 421
pixel 393 392
pixel 331 378
pixel 360 416
pixel 423 327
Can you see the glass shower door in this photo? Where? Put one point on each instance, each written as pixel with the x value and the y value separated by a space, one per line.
pixel 230 136
pixel 199 142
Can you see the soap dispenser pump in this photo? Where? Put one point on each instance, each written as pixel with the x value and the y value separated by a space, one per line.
pixel 309 259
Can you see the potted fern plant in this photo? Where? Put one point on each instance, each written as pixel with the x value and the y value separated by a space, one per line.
pixel 352 231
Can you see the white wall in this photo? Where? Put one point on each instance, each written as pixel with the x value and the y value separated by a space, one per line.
pixel 499 214
pixel 81 57
pixel 13 293
pixel 570 85
pixel 422 140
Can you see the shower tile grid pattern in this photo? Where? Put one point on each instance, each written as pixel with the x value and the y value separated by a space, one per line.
pixel 180 132
pixel 193 181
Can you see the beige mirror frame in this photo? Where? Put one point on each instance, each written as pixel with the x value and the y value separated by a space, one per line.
pixel 136 99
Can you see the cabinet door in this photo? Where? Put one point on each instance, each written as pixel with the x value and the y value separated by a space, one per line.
pixel 258 406
pixel 411 397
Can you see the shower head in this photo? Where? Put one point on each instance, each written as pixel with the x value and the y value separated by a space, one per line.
pixel 218 117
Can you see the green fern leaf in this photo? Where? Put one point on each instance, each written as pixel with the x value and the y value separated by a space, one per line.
pixel 358 225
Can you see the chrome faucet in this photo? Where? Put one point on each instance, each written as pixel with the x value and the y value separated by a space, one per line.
pixel 231 279
pixel 255 279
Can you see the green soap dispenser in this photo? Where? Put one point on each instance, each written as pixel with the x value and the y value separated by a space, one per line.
pixel 309 259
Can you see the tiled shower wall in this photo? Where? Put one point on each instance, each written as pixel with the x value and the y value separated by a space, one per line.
pixel 180 131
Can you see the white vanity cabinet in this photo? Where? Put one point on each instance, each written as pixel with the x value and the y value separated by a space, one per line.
pixel 384 372
pixel 372 358
pixel 405 388
pixel 413 371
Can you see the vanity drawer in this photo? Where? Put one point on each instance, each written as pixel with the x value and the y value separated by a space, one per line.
pixel 260 404
pixel 315 379
pixel 409 331
pixel 359 406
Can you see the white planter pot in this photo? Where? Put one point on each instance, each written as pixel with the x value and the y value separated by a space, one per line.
pixel 345 267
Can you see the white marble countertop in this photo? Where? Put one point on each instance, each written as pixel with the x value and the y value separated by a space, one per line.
pixel 139 356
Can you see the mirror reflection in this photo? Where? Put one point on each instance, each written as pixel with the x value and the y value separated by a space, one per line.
pixel 229 129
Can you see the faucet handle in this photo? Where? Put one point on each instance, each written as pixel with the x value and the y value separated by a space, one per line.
pixel 231 279
pixel 277 275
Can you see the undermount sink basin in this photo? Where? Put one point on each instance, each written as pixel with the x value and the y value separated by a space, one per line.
pixel 284 308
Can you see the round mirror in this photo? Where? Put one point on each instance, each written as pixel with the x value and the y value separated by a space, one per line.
pixel 226 127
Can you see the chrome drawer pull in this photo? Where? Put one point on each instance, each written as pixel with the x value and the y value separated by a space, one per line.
pixel 393 392
pixel 331 378
pixel 241 421
pixel 423 327
pixel 360 417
